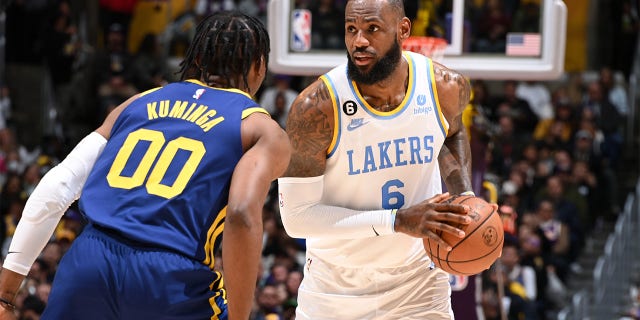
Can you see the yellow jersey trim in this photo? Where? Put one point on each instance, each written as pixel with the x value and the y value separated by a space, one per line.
pixel 407 94
pixel 336 120
pixel 198 82
pixel 149 91
pixel 441 117
pixel 212 234
pixel 250 111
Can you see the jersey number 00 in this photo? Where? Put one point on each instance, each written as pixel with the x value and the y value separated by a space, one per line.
pixel 162 151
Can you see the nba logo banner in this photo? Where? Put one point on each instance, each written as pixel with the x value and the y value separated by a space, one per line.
pixel 301 30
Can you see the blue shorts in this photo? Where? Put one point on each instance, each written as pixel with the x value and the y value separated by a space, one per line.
pixel 104 277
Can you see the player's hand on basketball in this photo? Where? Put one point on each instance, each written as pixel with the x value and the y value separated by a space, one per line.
pixel 429 218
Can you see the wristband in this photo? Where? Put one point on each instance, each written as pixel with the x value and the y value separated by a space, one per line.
pixel 393 220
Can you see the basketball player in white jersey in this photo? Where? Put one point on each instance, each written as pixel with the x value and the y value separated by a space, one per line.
pixel 372 140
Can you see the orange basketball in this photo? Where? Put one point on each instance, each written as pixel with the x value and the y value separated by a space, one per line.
pixel 480 247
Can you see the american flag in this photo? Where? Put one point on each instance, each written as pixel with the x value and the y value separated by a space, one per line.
pixel 523 44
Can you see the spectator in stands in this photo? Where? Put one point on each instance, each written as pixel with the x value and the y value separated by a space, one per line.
pixel 585 150
pixel 280 89
pixel 51 254
pixel 626 26
pixel 516 191
pixel 586 184
pixel 567 204
pixel 555 237
pixel 327 25
pixel 269 304
pixel 515 304
pixel 43 290
pixel 576 89
pixel 557 131
pixel 116 12
pixel 493 25
pixel 523 275
pixel 613 87
pixel 294 278
pixel 506 146
pixel 17 156
pixel 149 66
pixel 597 108
pixel 538 96
pixel 508 103
pixel 5 106
pixel 32 308
pixel 40 271
pixel 31 177
pixel 278 274
pixel 61 52
pixel 259 7
pixel 113 69
pixel 531 256
pixel 527 17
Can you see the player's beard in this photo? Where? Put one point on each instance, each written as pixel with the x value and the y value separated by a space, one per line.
pixel 380 70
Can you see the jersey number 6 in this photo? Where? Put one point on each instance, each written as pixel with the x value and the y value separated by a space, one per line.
pixel 392 199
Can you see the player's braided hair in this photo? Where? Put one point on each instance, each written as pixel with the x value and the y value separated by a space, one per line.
pixel 227 45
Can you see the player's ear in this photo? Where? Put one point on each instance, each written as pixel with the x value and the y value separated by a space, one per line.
pixel 404 29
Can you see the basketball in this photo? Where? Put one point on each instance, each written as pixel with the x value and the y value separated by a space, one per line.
pixel 480 247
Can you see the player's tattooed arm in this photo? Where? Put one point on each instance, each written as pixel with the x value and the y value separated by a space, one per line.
pixel 455 166
pixel 455 156
pixel 310 129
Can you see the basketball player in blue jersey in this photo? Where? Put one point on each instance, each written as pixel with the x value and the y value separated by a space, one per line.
pixel 372 141
pixel 167 173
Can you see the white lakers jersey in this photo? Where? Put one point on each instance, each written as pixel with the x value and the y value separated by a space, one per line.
pixel 381 160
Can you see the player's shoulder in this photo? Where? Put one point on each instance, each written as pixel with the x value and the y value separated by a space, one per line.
pixel 447 76
pixel 453 88
pixel 313 108
pixel 317 96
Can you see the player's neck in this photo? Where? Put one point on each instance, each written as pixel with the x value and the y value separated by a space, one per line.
pixel 388 94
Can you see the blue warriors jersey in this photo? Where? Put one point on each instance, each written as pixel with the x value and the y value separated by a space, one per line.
pixel 162 180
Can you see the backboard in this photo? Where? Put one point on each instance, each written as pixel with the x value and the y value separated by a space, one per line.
pixel 486 39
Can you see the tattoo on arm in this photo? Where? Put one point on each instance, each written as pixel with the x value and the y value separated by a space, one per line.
pixel 454 93
pixel 310 130
pixel 455 163
pixel 464 92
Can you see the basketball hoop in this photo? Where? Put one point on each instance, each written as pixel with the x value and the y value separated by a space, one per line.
pixel 431 47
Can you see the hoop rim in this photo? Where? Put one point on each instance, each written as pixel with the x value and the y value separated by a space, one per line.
pixel 432 47
pixel 422 39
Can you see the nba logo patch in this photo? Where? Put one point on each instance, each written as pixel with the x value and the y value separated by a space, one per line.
pixel 301 30
pixel 198 93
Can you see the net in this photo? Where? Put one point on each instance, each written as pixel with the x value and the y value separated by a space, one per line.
pixel 431 47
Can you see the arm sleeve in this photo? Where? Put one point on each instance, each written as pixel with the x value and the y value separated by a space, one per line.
pixel 303 216
pixel 57 190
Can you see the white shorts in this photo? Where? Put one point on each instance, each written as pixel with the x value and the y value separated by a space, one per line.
pixel 416 291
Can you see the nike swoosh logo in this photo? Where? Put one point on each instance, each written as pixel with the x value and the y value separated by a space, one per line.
pixel 352 126
pixel 374 230
pixel 10 252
